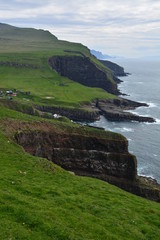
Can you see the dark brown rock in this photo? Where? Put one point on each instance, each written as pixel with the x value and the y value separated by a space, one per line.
pixel 81 153
pixel 71 113
pixel 116 110
pixel 83 70
pixel 104 158
pixel 115 68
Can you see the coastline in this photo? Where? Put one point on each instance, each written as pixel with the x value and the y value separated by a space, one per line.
pixel 142 86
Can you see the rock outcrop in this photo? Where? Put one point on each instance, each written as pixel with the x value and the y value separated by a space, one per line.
pixel 80 153
pixel 112 109
pixel 106 157
pixel 72 113
pixel 117 70
pixel 117 110
pixel 81 69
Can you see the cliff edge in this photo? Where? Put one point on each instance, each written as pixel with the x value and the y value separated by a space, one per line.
pixel 82 70
pixel 85 151
pixel 117 70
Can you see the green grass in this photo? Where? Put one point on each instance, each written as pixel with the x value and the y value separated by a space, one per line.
pixel 47 86
pixel 62 125
pixel 39 200
pixel 34 47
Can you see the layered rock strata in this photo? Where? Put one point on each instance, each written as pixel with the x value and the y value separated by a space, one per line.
pixel 72 113
pixel 105 158
pixel 117 70
pixel 117 110
pixel 113 110
pixel 81 153
pixel 83 70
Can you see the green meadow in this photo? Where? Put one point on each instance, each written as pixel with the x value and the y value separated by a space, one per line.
pixel 45 85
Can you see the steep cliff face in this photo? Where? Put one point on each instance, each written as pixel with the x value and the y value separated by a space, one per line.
pixel 81 154
pixel 82 70
pixel 115 68
pixel 104 158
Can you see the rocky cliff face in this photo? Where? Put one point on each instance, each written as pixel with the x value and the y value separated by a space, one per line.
pixel 82 70
pixel 73 114
pixel 106 158
pixel 80 153
pixel 115 68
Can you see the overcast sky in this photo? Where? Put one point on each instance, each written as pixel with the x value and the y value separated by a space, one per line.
pixel 129 28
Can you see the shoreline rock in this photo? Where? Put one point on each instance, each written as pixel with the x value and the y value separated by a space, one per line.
pixel 116 110
pixel 112 109
pixel 117 70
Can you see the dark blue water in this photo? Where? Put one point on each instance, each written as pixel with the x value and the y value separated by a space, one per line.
pixel 144 138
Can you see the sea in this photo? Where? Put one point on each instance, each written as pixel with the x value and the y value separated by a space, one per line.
pixel 143 85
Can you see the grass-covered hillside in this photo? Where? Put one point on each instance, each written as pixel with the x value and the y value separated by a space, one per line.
pixel 45 85
pixel 30 50
pixel 38 199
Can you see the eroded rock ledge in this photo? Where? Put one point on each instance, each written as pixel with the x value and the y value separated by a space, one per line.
pixel 113 110
pixel 106 157
pixel 72 113
pixel 117 110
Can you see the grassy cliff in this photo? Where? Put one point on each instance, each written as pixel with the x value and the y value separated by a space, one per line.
pixel 38 199
pixel 30 49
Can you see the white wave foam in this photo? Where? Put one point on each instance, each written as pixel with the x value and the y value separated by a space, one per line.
pixel 124 129
pixel 132 111
pixel 155 155
pixel 157 122
pixel 152 105
pixel 142 170
pixel 146 175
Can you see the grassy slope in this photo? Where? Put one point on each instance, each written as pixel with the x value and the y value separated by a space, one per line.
pixel 35 47
pixel 44 82
pixel 39 200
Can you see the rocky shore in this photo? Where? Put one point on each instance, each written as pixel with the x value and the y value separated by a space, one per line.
pixel 117 110
pixel 81 69
pixel 112 109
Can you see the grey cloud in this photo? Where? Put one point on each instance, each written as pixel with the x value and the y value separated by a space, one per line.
pixel 106 24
